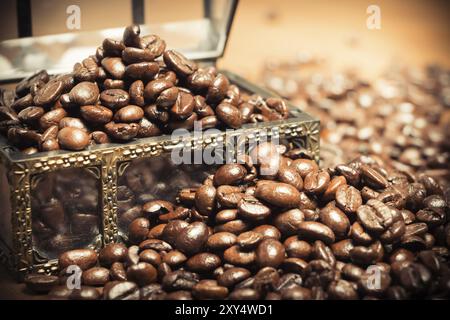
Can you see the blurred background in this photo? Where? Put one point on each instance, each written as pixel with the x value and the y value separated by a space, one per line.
pixel 414 32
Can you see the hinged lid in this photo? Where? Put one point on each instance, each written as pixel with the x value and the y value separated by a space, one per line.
pixel 202 39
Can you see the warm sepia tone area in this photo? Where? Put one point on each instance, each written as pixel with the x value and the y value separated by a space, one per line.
pixel 412 32
pixel 366 101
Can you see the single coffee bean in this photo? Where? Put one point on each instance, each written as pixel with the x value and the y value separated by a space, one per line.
pixel 316 182
pixel 316 231
pixel 236 256
pixel 141 71
pixel 249 240
pixel 270 253
pixel 233 276
pixel 192 238
pixel 83 258
pixel 287 222
pixel 251 208
pixel 49 93
pixel 84 93
pixel 176 62
pixel 114 98
pixel 296 248
pixel 122 131
pixel 40 283
pixel 209 289
pixel 205 199
pixel 204 262
pixel 348 199
pixel 304 166
pixel 96 276
pixel 121 290
pixel 278 194
pixel 218 90
pixel 174 258
pixel 31 114
pixel 221 241
pixel 130 113
pixel 115 252
pixel 373 178
pixel 229 114
pixel 52 118
pixel 142 273
pixel 336 220
pixel 73 138
pixel 229 174
pixel 96 114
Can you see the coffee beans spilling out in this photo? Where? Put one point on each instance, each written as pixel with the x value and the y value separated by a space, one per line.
pixel 133 88
pixel 402 116
pixel 359 230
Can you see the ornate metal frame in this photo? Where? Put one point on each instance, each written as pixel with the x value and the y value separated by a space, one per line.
pixel 21 169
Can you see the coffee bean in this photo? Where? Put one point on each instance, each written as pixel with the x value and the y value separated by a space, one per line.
pixel 336 220
pixel 49 93
pixel 40 283
pixel 122 131
pixel 221 241
pixel 251 208
pixel 304 166
pixel 31 114
pixel 316 231
pixel 217 92
pixel 121 290
pixel 73 138
pixel 83 258
pixel 279 194
pixel 142 273
pixel 179 280
pixel 316 182
pixel 203 262
pixel 176 62
pixel 115 252
pixel 96 114
pixel 270 253
pixel 114 98
pixel 97 276
pixel 249 240
pixel 209 289
pixel 229 174
pixel 233 276
pixel 84 93
pixel 348 199
pixel 237 256
pixel 52 118
pixel 229 114
pixel 192 238
pixel 287 222
pixel 205 199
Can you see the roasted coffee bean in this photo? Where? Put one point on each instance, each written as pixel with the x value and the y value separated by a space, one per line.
pixel 288 222
pixel 316 182
pixel 49 93
pixel 96 114
pixel 183 106
pixel 205 199
pixel 249 240
pixel 251 208
pixel 122 131
pixel 73 138
pixel 192 238
pixel 342 290
pixel 115 252
pixel 217 92
pixel 200 80
pixel 296 248
pixel 84 93
pixel 179 280
pixel 336 220
pixel 52 118
pixel 31 114
pixel 40 283
pixel 121 290
pixel 114 98
pixel 174 258
pixel 373 178
pixel 97 276
pixel 291 176
pixel 209 289
pixel 270 253
pixel 304 166
pixel 341 249
pixel 141 70
pixel 229 114
pixel 268 231
pixel 138 230
pixel 244 294
pixel 348 199
pixel 142 273
pixel 203 262
pixel 278 194
pixel 316 231
pixel 70 122
pixel 221 241
pixel 229 174
pixel 176 62
pixel 155 244
pixel 83 258
pixel 130 113
pixel 233 276
pixel 236 256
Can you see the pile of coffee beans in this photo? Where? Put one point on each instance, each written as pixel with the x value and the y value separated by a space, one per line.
pixel 360 230
pixel 132 88
pixel 402 116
